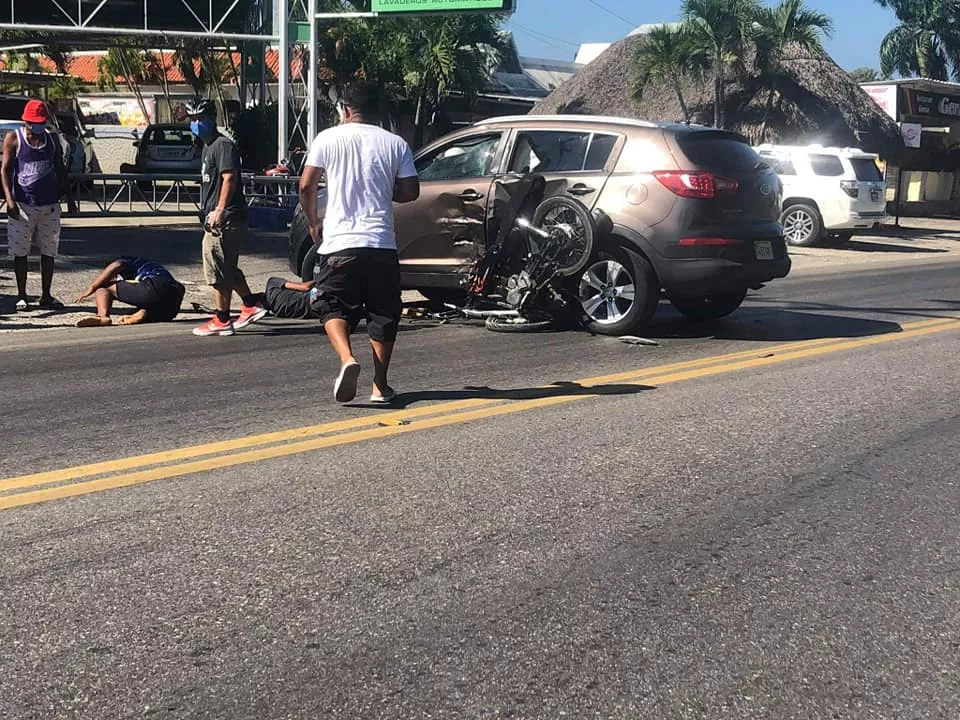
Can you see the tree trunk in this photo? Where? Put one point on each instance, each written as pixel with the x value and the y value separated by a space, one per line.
pixel 133 84
pixel 165 85
pixel 717 97
pixel 683 104
pixel 766 112
pixel 418 121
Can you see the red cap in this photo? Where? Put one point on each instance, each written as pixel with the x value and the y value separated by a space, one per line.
pixel 36 112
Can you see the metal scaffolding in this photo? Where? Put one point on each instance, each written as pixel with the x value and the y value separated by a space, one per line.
pixel 235 23
pixel 232 23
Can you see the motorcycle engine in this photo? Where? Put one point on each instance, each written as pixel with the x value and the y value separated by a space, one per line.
pixel 517 288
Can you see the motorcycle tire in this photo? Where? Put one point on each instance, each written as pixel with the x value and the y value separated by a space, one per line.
pixel 535 322
pixel 583 217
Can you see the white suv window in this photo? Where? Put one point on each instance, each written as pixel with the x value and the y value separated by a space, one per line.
pixel 866 170
pixel 826 165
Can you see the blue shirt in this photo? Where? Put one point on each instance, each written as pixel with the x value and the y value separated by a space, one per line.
pixel 143 269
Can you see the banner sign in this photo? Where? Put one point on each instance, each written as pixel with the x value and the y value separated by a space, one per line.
pixel 123 111
pixel 911 134
pixel 933 104
pixel 434 6
pixel 885 96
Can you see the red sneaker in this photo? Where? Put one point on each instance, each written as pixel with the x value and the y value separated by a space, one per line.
pixel 250 315
pixel 214 327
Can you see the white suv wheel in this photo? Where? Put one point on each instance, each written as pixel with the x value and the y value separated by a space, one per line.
pixel 801 225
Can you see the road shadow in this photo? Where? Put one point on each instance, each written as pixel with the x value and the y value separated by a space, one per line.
pixel 798 306
pixel 766 325
pixel 914 233
pixel 865 246
pixel 484 392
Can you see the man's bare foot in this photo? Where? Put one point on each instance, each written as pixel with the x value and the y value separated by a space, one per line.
pixel 134 318
pixel 94 321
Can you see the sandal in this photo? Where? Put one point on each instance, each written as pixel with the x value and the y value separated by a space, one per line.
pixel 388 397
pixel 345 389
pixel 50 303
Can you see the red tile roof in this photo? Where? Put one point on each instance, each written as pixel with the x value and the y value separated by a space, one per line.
pixel 83 66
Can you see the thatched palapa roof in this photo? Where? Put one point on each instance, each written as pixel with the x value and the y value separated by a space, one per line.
pixel 817 102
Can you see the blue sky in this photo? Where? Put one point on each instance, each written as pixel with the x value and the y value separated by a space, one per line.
pixel 555 28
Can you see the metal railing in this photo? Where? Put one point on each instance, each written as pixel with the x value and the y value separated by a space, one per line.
pixel 143 194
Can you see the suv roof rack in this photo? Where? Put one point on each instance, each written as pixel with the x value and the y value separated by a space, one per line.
pixel 599 119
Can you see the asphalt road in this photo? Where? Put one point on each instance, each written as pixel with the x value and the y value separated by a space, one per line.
pixel 756 518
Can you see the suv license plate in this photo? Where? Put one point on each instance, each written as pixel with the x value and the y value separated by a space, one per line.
pixel 764 249
pixel 874 195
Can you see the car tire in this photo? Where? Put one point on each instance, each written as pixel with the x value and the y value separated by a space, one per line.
pixel 802 225
pixel 596 313
pixel 309 264
pixel 709 307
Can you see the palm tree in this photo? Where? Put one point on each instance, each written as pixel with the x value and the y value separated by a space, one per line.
pixel 721 28
pixel 668 54
pixel 127 63
pixel 790 24
pixel 926 42
pixel 447 53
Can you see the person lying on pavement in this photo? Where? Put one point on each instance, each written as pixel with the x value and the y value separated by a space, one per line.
pixel 290 299
pixel 146 285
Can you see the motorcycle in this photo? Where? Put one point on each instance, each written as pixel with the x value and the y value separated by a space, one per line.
pixel 516 284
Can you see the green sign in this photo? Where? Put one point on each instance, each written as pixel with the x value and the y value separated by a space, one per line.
pixel 433 6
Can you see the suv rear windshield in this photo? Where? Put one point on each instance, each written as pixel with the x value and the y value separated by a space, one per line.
pixel 866 170
pixel 718 150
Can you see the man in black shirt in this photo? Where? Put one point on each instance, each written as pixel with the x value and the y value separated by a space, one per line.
pixel 223 212
pixel 289 299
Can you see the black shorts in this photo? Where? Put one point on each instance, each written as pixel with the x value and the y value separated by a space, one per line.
pixel 361 283
pixel 160 297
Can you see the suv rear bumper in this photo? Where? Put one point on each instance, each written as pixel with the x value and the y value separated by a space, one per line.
pixel 859 221
pixel 697 271
pixel 706 276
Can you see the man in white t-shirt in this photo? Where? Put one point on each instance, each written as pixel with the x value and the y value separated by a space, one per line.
pixel 367 169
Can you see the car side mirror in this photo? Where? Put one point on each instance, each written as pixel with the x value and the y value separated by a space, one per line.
pixel 136 143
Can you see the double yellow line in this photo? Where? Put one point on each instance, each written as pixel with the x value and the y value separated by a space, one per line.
pixel 124 472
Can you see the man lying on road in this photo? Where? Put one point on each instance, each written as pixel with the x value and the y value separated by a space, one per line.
pixel 286 299
pixel 144 284
pixel 289 299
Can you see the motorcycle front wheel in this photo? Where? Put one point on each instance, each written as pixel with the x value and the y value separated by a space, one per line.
pixel 570 221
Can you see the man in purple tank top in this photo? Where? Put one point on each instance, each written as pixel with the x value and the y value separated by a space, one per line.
pixel 32 162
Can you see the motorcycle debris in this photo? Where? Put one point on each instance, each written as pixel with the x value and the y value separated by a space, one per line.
pixel 634 340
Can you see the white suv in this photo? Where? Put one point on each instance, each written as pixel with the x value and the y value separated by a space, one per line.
pixel 827 192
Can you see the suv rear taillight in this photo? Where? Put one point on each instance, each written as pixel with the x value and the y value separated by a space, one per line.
pixel 702 185
pixel 851 188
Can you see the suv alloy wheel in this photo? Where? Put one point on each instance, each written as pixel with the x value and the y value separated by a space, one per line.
pixel 801 225
pixel 618 291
